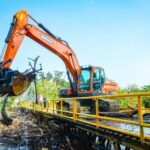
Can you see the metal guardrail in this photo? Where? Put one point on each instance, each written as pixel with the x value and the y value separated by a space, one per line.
pixel 98 119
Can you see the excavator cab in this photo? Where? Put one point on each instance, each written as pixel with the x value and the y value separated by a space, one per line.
pixel 91 80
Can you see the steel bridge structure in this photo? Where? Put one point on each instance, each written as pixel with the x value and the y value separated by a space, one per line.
pixel 107 132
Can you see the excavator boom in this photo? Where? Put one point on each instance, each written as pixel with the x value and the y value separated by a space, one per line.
pixel 20 28
pixel 85 81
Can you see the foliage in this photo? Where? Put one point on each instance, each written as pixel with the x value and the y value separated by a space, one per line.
pixel 49 76
pixel 133 88
pixel 0 105
pixel 48 85
pixel 10 103
pixel 146 101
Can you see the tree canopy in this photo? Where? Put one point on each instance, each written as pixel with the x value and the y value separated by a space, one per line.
pixel 49 84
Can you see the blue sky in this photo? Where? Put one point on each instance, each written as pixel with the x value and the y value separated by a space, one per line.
pixel 112 34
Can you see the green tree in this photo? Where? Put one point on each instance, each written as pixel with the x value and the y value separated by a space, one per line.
pixel 146 101
pixel 146 88
pixel 132 88
pixel 42 76
pixel 49 76
pixel 48 85
pixel 57 77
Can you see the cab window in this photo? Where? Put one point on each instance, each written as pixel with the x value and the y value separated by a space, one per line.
pixel 98 79
pixel 85 80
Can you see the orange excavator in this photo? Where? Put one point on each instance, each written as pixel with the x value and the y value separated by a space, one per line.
pixel 84 80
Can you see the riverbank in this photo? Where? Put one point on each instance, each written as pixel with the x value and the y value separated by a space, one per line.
pixel 27 132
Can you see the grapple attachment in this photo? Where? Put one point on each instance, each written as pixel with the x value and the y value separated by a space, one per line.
pixel 14 83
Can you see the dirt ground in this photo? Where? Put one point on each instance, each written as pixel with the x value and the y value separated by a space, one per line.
pixel 28 132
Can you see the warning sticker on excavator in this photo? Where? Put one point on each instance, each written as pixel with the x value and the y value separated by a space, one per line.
pixel 48 40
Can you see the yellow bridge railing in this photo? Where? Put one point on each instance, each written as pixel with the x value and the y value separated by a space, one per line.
pixel 136 127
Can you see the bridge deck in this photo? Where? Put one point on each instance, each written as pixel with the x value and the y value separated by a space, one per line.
pixel 133 128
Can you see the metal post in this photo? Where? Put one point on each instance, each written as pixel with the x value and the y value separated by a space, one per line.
pixel 74 109
pixel 140 118
pixel 42 105
pixel 131 102
pixel 39 105
pixel 33 106
pixel 47 106
pixel 61 107
pixel 97 112
pixel 53 106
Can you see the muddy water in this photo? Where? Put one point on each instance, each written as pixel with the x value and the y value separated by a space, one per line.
pixel 28 133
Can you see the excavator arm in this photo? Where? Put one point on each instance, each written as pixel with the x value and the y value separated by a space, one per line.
pixel 87 80
pixel 21 28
